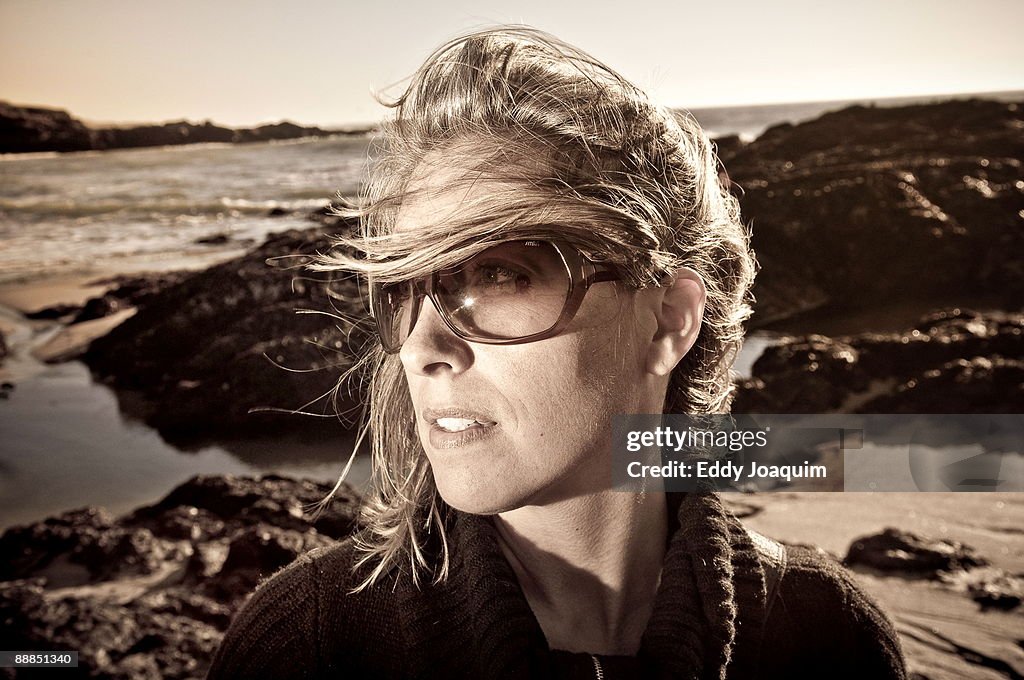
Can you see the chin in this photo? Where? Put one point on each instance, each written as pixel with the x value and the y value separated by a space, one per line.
pixel 476 498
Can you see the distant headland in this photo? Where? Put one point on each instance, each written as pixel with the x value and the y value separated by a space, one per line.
pixel 34 129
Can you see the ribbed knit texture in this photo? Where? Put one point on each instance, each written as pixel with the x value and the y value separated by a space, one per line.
pixel 708 620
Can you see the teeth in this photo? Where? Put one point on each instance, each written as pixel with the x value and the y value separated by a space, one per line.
pixel 455 424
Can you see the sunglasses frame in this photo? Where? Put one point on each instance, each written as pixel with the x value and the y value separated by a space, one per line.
pixel 582 271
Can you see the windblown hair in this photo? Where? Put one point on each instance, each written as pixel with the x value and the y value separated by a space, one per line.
pixel 578 153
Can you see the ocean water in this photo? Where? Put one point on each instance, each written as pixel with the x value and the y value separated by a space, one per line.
pixel 145 209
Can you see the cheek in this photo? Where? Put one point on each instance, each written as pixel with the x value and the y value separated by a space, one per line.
pixel 571 390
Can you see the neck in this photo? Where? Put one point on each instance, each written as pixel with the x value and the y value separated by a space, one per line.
pixel 590 584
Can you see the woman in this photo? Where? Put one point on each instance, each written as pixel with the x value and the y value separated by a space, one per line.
pixel 547 249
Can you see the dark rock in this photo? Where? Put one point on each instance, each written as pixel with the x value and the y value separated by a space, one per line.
pixel 282 130
pixel 33 129
pixel 190 605
pixel 137 291
pixel 122 551
pixel 26 129
pixel 897 204
pixel 177 132
pixel 53 313
pixel 114 640
pixel 184 522
pixel 125 292
pixel 243 501
pixel 902 552
pixel 99 307
pixel 29 549
pixel 330 216
pixel 1001 591
pixel 201 353
pixel 809 375
pixel 214 240
pixel 126 624
pixel 277 212
pixel 953 361
pixel 255 553
pixel 978 385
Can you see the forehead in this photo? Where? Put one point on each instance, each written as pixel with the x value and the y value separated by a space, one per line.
pixel 437 194
pixel 460 185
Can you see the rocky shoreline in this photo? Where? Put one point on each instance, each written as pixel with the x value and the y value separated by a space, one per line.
pixel 25 129
pixel 917 206
pixel 150 594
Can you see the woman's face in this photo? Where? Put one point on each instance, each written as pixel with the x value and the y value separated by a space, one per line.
pixel 511 425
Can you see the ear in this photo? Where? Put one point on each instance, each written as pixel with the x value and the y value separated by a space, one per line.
pixel 679 318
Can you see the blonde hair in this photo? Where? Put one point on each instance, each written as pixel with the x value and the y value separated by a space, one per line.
pixel 581 155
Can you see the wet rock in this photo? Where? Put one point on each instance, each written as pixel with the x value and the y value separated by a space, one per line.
pixel 952 361
pixel 206 352
pixel 214 240
pixel 99 307
pixel 185 522
pixel 29 549
pixel 114 640
pixel 902 552
pixel 190 605
pixel 978 385
pixel 807 375
pixel 61 311
pixel 244 501
pixel 1002 591
pixel 255 553
pixel 123 551
pixel 153 595
pixel 125 292
pixel 896 204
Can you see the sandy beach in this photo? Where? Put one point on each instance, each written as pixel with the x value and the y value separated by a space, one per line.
pixel 945 634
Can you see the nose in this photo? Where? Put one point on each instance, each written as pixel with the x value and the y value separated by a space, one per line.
pixel 432 348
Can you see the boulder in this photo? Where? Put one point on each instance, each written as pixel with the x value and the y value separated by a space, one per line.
pixel 202 354
pixel 29 549
pixel 896 204
pixel 952 361
pixel 156 588
pixel 902 552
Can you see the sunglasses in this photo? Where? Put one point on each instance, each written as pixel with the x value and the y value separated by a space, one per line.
pixel 512 293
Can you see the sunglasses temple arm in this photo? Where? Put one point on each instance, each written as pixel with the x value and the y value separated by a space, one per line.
pixel 598 273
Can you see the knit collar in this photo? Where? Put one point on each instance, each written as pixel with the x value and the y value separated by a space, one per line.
pixel 477 623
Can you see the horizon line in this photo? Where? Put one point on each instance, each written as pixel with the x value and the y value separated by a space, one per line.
pixel 369 125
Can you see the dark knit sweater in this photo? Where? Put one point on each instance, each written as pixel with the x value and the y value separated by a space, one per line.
pixel 710 619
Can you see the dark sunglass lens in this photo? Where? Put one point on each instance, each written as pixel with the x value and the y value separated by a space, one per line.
pixel 392 307
pixel 512 290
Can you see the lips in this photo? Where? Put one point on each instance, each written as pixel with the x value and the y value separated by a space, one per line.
pixel 453 427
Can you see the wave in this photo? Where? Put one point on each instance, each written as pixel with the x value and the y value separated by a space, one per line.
pixel 63 207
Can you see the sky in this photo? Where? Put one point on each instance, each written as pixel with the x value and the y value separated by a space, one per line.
pixel 317 62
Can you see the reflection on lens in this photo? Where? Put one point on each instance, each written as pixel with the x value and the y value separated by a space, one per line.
pixel 509 291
